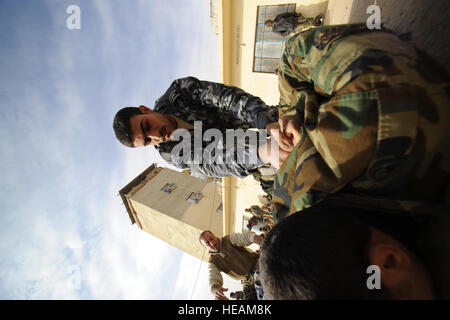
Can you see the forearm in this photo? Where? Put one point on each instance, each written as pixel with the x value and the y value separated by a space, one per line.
pixel 297 91
pixel 215 277
pixel 243 239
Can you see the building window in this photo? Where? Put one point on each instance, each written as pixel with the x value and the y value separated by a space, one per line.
pixel 168 188
pixel 269 45
pixel 194 197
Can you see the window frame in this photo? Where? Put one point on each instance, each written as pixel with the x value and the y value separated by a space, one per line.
pixel 171 187
pixel 256 35
pixel 196 199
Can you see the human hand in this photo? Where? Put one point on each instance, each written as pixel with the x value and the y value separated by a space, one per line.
pixel 274 130
pixel 272 153
pixel 283 142
pixel 290 129
pixel 259 240
pixel 272 125
pixel 218 292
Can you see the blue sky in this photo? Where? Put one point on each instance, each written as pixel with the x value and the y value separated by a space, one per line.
pixel 61 164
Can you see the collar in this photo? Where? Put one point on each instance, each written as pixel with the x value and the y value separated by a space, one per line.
pixel 182 124
pixel 220 250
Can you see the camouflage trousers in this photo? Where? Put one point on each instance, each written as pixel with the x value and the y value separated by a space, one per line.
pixel 375 116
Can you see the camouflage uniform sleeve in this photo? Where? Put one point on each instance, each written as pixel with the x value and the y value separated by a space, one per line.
pixel 297 95
pixel 229 99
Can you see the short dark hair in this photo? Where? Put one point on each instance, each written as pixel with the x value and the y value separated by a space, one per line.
pixel 318 253
pixel 202 234
pixel 121 125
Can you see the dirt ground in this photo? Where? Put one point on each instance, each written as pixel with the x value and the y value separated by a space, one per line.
pixel 428 21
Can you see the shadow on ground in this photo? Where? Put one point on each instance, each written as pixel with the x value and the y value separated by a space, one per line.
pixel 427 21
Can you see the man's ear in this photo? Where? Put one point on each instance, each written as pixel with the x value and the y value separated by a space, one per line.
pixel 144 109
pixel 394 263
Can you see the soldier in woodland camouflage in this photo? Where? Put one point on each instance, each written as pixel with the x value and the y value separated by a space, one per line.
pixel 374 119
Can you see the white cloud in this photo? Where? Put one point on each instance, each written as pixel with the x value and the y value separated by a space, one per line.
pixel 35 267
pixel 126 263
pixel 193 280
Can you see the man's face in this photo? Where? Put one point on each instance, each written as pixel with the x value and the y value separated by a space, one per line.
pixel 402 273
pixel 269 23
pixel 211 242
pixel 150 127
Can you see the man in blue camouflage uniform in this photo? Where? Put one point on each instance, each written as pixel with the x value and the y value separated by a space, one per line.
pixel 215 106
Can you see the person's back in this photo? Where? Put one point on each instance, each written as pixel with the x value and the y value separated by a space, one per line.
pixel 288 17
pixel 285 23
